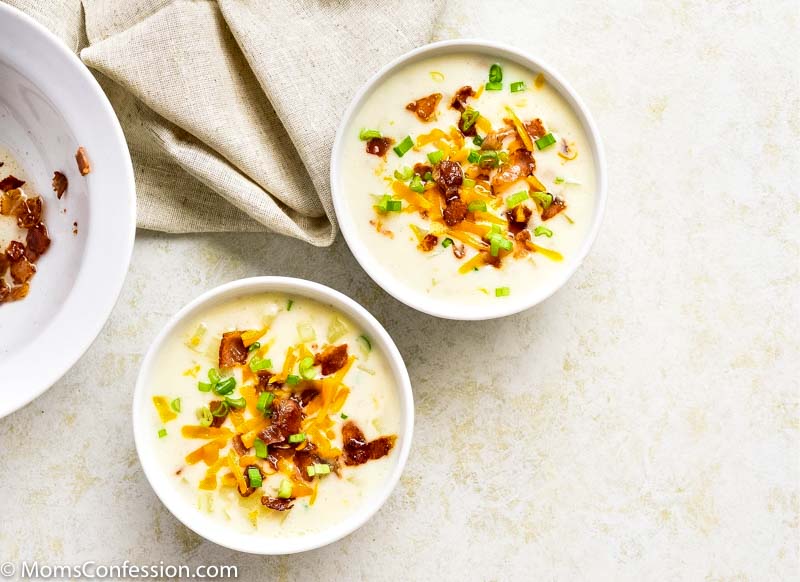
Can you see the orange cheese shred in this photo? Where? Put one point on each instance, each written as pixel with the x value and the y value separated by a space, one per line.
pixel 165 413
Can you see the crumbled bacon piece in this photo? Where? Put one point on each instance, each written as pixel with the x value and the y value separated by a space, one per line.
pixel 11 183
pixel 277 503
pixel 18 292
pixel 10 201
pixel 494 139
pixel 459 251
pixel 60 184
pixel 357 450
pixel 378 146
pixel 520 164
pixel 303 459
pixel 221 410
pixel 535 128
pixel 470 131
pixel 15 250
pixel 286 416
pixel 422 169
pixel 459 100
pixel 455 212
pixel 306 396
pixel 429 242
pixel 83 161
pixel 332 359
pixel 37 240
pixel 4 262
pixel 425 107
pixel 22 270
pixel 29 212
pixel 238 445
pixel 449 177
pixel 231 349
pixel 556 206
pixel 518 218
pixel 272 435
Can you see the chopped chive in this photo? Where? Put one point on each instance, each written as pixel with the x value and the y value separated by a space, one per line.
pixel 261 448
pixel 297 438
pixel 560 180
pixel 220 409
pixel 344 416
pixel 364 343
pixel 477 205
pixel 545 141
pixel 264 401
pixel 162 432
pixel 225 387
pixel 213 375
pixel 254 346
pixel 306 368
pixel 256 364
pixel 447 242
pixel 502 291
pixel 495 229
pixel 517 199
pixel 542 231
pixel 517 86
pixel 321 468
pixel 204 386
pixel 367 134
pixel 289 305
pixel 494 86
pixel 292 380
pixel 477 140
pixel 310 470
pixel 285 490
pixel 545 199
pixel 495 73
pixel 435 157
pixel 394 205
pixel 427 177
pixel 175 405
pixel 204 416
pixel 403 147
pixel 405 175
pixel 473 157
pixel 236 402
pixel 490 156
pixel 497 242
pixel 254 476
pixel 468 118
pixel 416 185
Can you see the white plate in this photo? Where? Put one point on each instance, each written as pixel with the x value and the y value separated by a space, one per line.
pixel 49 105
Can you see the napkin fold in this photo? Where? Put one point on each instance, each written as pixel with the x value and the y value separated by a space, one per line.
pixel 230 107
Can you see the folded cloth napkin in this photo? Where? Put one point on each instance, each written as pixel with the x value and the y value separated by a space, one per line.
pixel 230 107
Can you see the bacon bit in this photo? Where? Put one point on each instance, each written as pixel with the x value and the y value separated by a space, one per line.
pixel 307 395
pixel 422 169
pixel 472 131
pixel 425 107
pixel 518 218
pixel 428 243
pixel 22 270
pixel 11 183
pixel 455 212
pixel 459 100
pixel 217 406
pixel 520 164
pixel 378 146
pixel 522 238
pixel 332 359
pixel 494 140
pixel 379 227
pixel 286 416
pixel 277 503
pixel 459 251
pixel 15 250
pixel 60 184
pixel 357 450
pixel 83 161
pixel 15 293
pixel 304 459
pixel 535 128
pixel 4 262
pixel 449 177
pixel 232 350
pixel 29 212
pixel 556 206
pixel 37 240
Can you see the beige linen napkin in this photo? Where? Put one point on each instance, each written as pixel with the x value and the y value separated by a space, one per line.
pixel 230 107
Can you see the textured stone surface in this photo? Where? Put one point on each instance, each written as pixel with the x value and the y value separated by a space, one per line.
pixel 641 424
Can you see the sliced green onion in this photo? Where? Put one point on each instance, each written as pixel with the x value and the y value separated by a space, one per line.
pixel 494 86
pixel 416 185
pixel 447 242
pixel 204 416
pixel 364 343
pixel 213 375
pixel 204 386
pixel 367 134
pixel 306 332
pixel 225 387
pixel 254 476
pixel 405 175
pixel 162 432
pixel 477 140
pixel 321 468
pixel 403 147
pixel 545 141
pixel 473 157
pixel 517 86
pixel 256 364
pixel 236 402
pixel 468 183
pixel 382 204
pixel 344 416
pixel 175 405
pixel 477 205
pixel 497 242
pixel 306 368
pixel 560 180
pixel 468 118
pixel 427 177
pixel 502 156
pixel 310 470
pixel 297 438
pixel 517 199
pixel 264 401
pixel 261 448
pixel 254 346
pixel 220 409
pixel 285 490
pixel 542 231
pixel 394 205
pixel 495 73
pixel 489 156
pixel 502 292
pixel 545 199
pixel 289 305
pixel 292 380
pixel 435 157
pixel 495 229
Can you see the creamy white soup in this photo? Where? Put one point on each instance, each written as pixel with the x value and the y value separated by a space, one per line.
pixel 469 178
pixel 273 415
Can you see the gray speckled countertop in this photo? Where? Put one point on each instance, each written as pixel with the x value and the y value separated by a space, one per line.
pixel 641 424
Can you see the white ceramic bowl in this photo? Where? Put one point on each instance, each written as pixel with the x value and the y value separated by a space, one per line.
pixel 187 512
pixel 371 264
pixel 49 105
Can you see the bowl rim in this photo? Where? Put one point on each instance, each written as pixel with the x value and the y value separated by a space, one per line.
pixel 441 308
pixel 99 282
pixel 233 540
